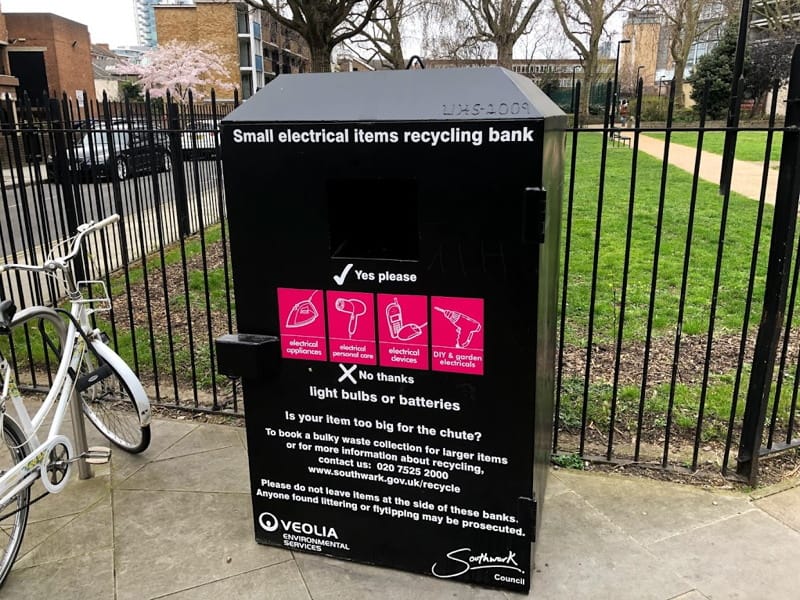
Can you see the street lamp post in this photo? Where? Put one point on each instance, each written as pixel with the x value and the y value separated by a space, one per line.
pixel 639 68
pixel 616 76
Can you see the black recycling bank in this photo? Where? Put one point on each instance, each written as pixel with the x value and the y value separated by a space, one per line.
pixel 394 242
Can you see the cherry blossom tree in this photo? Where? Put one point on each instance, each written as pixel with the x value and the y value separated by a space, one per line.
pixel 177 67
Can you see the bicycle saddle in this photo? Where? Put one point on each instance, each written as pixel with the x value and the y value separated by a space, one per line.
pixel 7 311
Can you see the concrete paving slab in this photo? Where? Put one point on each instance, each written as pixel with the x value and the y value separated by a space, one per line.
pixel 744 557
pixel 603 537
pixel 201 439
pixel 164 434
pixel 167 542
pixel 650 510
pixel 331 579
pixel 89 531
pixel 223 470
pixel 36 532
pixel 277 582
pixel 784 506
pixel 89 576
pixel 581 554
pixel 77 496
pixel 554 486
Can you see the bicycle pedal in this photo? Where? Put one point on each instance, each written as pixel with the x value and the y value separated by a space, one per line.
pixel 97 455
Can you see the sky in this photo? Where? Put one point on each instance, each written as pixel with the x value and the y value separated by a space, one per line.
pixel 109 21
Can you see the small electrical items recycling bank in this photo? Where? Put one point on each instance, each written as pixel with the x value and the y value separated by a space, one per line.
pixel 394 242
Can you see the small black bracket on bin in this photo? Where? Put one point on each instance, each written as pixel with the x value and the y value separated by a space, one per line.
pixel 534 211
pixel 527 516
pixel 247 355
pixel 415 59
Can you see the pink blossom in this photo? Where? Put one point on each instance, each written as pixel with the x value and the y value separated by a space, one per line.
pixel 177 67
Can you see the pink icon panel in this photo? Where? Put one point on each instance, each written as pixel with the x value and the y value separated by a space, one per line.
pixel 457 328
pixel 301 314
pixel 351 327
pixel 403 331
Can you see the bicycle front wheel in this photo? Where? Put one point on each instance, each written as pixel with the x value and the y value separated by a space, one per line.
pixel 108 402
pixel 13 514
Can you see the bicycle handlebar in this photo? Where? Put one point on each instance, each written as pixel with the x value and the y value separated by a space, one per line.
pixel 60 262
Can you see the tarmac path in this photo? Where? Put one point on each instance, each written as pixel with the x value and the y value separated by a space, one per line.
pixel 747 175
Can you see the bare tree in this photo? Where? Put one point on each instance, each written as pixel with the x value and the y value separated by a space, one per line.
pixel 323 24
pixel 584 23
pixel 777 16
pixel 383 38
pixel 448 32
pixel 688 21
pixel 502 23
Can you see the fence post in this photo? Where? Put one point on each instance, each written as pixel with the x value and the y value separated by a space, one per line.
pixel 737 86
pixel 178 173
pixel 780 256
pixel 61 159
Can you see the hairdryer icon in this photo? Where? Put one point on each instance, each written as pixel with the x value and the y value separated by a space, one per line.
pixel 353 307
pixel 465 326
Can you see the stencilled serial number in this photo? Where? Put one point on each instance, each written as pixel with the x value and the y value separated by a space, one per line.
pixel 490 109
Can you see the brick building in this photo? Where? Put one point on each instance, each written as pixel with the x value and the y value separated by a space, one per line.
pixel 253 48
pixel 50 54
pixel 8 83
pixel 650 34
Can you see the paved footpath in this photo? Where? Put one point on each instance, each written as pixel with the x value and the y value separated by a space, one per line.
pixel 747 176
pixel 176 523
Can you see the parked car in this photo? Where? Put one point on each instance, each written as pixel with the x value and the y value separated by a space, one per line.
pixel 101 152
pixel 200 139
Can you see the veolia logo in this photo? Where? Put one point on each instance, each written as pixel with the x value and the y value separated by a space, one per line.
pixel 268 521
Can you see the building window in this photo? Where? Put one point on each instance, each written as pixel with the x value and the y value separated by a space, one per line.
pixel 247 85
pixel 244 53
pixel 259 63
pixel 257 30
pixel 242 20
pixel 276 62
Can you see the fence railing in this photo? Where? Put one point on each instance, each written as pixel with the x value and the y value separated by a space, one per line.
pixel 663 358
pixel 157 164
pixel 673 296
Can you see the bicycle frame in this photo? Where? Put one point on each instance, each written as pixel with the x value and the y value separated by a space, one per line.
pixel 73 350
pixel 74 339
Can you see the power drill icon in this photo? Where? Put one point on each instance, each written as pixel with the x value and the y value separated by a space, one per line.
pixel 465 326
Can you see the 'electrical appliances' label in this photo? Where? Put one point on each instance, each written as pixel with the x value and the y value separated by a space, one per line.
pixel 302 324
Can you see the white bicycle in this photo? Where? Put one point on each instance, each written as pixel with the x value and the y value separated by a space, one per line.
pixel 111 395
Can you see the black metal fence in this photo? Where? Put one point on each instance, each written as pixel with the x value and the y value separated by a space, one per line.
pixel 157 164
pixel 673 346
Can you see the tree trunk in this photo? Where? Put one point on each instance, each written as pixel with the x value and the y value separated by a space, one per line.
pixel 680 101
pixel 588 82
pixel 320 57
pixel 505 54
pixel 395 36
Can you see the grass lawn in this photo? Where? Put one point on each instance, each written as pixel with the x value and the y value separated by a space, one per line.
pixel 750 145
pixel 705 235
pixel 729 297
